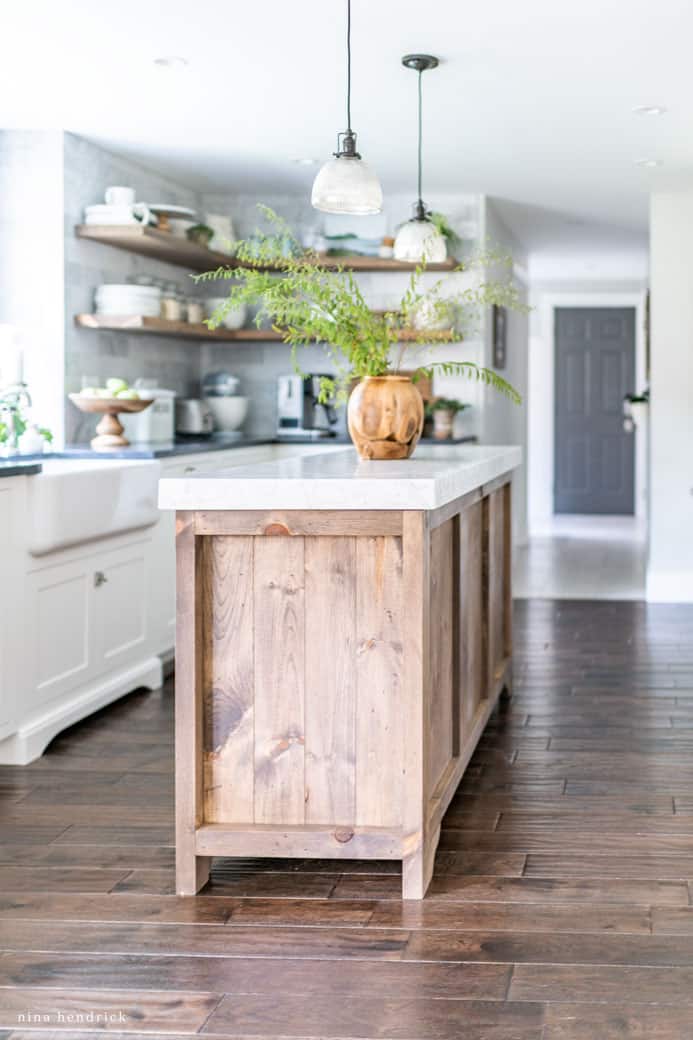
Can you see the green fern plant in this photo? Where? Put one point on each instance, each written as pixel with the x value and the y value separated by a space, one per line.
pixel 309 303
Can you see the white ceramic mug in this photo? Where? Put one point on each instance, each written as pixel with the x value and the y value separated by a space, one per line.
pixel 119 196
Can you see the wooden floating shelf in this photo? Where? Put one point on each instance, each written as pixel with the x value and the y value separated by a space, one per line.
pixel 136 323
pixel 378 263
pixel 163 245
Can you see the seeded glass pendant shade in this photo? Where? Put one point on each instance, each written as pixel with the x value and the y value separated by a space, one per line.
pixel 346 184
pixel 419 239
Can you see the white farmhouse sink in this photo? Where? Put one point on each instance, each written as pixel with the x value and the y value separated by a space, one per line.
pixel 75 500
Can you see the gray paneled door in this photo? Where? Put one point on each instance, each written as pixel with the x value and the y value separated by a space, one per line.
pixel 595 368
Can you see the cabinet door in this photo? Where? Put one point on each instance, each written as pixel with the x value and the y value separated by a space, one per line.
pixel 58 629
pixel 119 584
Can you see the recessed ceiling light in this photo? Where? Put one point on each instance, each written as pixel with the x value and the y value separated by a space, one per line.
pixel 304 161
pixel 649 110
pixel 172 61
pixel 651 164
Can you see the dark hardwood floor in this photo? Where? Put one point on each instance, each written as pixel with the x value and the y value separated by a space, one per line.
pixel 560 907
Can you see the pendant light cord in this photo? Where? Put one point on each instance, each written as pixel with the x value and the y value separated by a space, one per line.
pixel 420 137
pixel 349 66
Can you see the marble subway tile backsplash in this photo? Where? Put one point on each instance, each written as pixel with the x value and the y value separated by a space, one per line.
pixel 174 363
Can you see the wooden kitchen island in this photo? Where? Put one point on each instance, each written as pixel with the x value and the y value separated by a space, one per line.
pixel 343 633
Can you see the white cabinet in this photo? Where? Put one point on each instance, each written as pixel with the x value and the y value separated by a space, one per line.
pixel 88 617
pixel 11 597
pixel 58 632
pixel 119 586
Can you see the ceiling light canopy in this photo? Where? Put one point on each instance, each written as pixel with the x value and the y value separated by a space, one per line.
pixel 649 110
pixel 651 164
pixel 419 239
pixel 346 184
pixel 171 61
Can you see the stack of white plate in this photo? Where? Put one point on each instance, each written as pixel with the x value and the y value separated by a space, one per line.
pixel 117 214
pixel 144 300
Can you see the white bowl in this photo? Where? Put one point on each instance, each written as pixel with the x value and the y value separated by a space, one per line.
pixel 235 319
pixel 129 288
pixel 228 412
pixel 143 308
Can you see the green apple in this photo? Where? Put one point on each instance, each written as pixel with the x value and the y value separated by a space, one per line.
pixel 127 395
pixel 115 385
pixel 89 391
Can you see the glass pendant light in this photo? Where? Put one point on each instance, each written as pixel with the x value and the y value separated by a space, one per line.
pixel 419 239
pixel 346 184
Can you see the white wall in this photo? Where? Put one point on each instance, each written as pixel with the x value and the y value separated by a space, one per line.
pixel 544 300
pixel 501 421
pixel 670 564
pixel 174 363
pixel 31 262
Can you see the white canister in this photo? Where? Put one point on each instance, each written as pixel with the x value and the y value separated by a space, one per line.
pixel 156 424
pixel 171 309
pixel 196 312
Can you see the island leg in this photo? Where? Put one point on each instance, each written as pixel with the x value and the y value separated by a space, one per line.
pixel 192 871
pixel 417 864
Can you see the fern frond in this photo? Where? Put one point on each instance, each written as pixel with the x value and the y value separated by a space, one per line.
pixel 472 371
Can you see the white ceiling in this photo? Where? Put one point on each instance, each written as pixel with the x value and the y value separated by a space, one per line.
pixel 532 102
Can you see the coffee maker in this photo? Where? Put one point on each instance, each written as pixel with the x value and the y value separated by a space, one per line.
pixel 299 414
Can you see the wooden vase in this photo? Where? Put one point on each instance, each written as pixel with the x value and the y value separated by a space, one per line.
pixel 385 417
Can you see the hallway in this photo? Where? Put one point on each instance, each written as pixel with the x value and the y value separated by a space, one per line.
pixel 583 557
pixel 560 907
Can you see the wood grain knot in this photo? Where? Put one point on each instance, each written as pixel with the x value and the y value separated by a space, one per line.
pixel 276 529
pixel 343 835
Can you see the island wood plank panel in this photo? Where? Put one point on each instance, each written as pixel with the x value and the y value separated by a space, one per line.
pixel 441 722
pixel 473 669
pixel 228 680
pixel 379 655
pixel 331 578
pixel 279 654
pixel 338 707
pixel 591 943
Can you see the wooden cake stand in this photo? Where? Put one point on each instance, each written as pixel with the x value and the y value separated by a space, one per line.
pixel 109 430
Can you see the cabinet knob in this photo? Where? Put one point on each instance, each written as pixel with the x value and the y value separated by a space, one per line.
pixel 190 469
pixel 99 579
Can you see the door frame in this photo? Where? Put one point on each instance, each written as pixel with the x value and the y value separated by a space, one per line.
pixel 541 399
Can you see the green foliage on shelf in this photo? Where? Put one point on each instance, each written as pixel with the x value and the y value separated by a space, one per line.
pixel 310 303
pixel 445 404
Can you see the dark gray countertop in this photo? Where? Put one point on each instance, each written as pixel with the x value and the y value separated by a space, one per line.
pixel 184 446
pixel 19 468
pixel 29 464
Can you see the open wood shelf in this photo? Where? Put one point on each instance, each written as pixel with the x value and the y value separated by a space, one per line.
pixel 160 327
pixel 135 323
pixel 163 245
pixel 377 263
pixel 159 245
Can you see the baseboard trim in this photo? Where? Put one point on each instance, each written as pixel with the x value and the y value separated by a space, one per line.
pixel 33 736
pixel 669 586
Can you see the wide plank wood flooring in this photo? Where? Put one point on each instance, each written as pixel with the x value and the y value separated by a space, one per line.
pixel 560 908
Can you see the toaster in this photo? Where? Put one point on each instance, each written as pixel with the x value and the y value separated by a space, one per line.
pixel 193 416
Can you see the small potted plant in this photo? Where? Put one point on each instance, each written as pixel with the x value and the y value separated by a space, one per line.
pixel 307 303
pixel 443 411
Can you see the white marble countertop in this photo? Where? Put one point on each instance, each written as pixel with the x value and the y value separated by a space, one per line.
pixel 337 479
